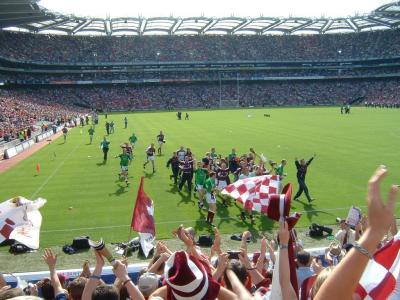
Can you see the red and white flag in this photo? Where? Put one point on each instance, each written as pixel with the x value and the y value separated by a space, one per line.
pixel 143 219
pixel 381 274
pixel 260 194
pixel 20 220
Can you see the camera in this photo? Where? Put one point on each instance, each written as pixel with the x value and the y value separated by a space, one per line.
pixel 233 254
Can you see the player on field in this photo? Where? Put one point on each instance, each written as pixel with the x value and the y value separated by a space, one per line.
pixel 174 163
pixel 200 180
pixel 150 151
pixel 302 167
pixel 105 146
pixel 65 133
pixel 187 174
pixel 133 139
pixel 161 141
pixel 222 180
pixel 91 133
pixel 181 153
pixel 210 197
pixel 125 160
pixel 129 149
pixel 126 122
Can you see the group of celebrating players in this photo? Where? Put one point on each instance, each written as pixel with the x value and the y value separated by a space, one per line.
pixel 211 173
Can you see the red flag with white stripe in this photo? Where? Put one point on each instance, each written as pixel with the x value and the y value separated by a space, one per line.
pixel 143 219
pixel 381 274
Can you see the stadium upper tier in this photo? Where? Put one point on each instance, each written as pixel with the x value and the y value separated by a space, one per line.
pixel 27 15
pixel 53 49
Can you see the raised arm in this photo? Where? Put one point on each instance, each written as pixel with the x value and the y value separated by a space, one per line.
pixel 94 279
pixel 311 159
pixel 380 216
pixel 51 259
pixel 122 274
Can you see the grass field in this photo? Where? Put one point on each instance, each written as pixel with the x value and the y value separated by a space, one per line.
pixel 348 148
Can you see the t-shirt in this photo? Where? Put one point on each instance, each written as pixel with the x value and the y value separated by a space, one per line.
pixel 213 155
pixel 201 175
pixel 209 185
pixel 341 235
pixel 150 151
pixel 279 170
pixel 181 154
pixel 124 159
pixel 160 137
pixel 91 131
pixel 104 144
pixel 222 174
pixel 133 139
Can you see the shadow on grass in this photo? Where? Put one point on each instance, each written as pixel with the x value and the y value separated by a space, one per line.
pixel 103 163
pixel 121 190
pixel 186 198
pixel 148 175
pixel 309 210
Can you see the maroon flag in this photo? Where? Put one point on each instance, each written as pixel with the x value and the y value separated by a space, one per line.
pixel 143 220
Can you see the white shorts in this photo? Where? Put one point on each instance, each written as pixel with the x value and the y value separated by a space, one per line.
pixel 160 142
pixel 150 158
pixel 199 187
pixel 124 168
pixel 210 198
pixel 221 185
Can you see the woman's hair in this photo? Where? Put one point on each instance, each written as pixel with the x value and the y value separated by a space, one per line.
pixel 321 279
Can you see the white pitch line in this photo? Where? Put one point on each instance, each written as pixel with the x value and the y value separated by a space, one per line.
pixel 54 172
pixel 182 221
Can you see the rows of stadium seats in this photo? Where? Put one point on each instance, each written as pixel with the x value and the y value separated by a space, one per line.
pixel 73 49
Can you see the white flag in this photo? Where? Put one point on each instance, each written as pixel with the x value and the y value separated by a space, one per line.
pixel 20 220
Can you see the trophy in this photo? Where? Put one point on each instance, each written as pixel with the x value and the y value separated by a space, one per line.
pixel 100 247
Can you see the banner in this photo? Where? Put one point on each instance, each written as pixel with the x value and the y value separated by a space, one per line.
pixel 20 220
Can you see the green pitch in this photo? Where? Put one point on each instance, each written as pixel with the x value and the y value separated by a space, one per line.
pixel 85 197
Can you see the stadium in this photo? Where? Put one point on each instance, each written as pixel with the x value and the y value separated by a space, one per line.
pixel 218 120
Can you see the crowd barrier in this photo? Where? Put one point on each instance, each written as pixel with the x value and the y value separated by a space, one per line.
pixel 21 147
pixel 107 274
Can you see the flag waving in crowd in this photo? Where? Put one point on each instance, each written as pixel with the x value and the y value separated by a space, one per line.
pixel 382 272
pixel 143 219
pixel 20 220
pixel 261 194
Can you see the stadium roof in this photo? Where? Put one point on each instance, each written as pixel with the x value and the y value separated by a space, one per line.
pixel 27 15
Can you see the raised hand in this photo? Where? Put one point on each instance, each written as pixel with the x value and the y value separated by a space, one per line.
pixel 50 258
pixel 380 215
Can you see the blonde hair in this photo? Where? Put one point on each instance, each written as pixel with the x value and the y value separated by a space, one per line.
pixel 322 276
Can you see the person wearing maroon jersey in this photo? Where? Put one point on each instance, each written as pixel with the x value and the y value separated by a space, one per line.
pixel 223 180
pixel 161 141
pixel 150 151
pixel 187 174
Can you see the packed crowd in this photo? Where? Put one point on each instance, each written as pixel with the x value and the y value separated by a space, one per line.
pixel 20 112
pixel 282 269
pixel 196 75
pixel 84 49
pixel 200 95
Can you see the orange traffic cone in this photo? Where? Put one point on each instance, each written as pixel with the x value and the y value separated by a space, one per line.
pixel 38 168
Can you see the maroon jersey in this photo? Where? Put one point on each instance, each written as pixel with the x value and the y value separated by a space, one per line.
pixel 150 151
pixel 222 174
